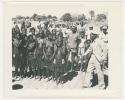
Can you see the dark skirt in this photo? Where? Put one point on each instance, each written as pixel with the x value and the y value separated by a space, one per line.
pixel 17 61
pixel 59 67
pixel 23 61
pixel 48 65
pixel 39 62
pixel 31 61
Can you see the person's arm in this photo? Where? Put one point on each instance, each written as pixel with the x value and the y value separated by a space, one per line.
pixel 104 51
pixel 31 47
pixel 79 49
pixel 55 50
pixel 44 46
pixel 14 42
pixel 26 43
pixel 85 58
pixel 88 51
pixel 98 51
pixel 20 43
pixel 35 49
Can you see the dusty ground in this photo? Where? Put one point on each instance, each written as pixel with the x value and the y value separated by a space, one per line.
pixel 74 82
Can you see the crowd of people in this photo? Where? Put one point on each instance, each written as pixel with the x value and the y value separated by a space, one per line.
pixel 52 50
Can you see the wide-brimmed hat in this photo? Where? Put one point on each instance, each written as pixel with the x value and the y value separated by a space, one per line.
pixel 95 32
pixel 105 27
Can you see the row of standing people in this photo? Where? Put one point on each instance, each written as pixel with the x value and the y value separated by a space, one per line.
pixel 53 53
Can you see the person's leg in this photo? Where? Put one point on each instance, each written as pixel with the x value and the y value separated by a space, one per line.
pixel 22 67
pixel 69 62
pixel 76 67
pixel 29 68
pixel 82 67
pixel 39 65
pixel 61 77
pixel 17 64
pixel 33 66
pixel 33 71
pixel 46 70
pixel 39 71
pixel 56 77
pixel 16 71
pixel 73 61
pixel 53 72
pixel 68 66
pixel 25 66
pixel 88 75
pixel 100 74
pixel 21 72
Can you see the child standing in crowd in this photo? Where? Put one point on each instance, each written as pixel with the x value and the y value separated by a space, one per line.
pixel 31 45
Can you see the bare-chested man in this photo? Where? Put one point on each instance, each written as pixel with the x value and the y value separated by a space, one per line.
pixel 73 47
pixel 48 51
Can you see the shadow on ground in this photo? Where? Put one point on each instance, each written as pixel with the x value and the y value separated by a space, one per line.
pixel 17 86
pixel 69 76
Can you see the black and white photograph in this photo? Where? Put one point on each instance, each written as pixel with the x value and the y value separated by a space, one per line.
pixel 60 50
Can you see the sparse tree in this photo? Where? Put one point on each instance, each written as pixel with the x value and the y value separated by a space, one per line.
pixel 33 16
pixel 49 16
pixel 54 18
pixel 66 17
pixel 92 14
pixel 19 17
pixel 27 17
pixel 43 17
pixel 74 18
pixel 101 17
pixel 81 17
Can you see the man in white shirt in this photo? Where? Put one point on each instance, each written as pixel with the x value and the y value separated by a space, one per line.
pixel 95 62
pixel 88 32
pixel 104 39
pixel 64 30
pixel 81 47
pixel 80 27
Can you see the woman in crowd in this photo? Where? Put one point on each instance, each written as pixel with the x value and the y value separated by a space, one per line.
pixel 39 54
pixel 59 58
pixel 31 45
pixel 48 51
pixel 16 54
